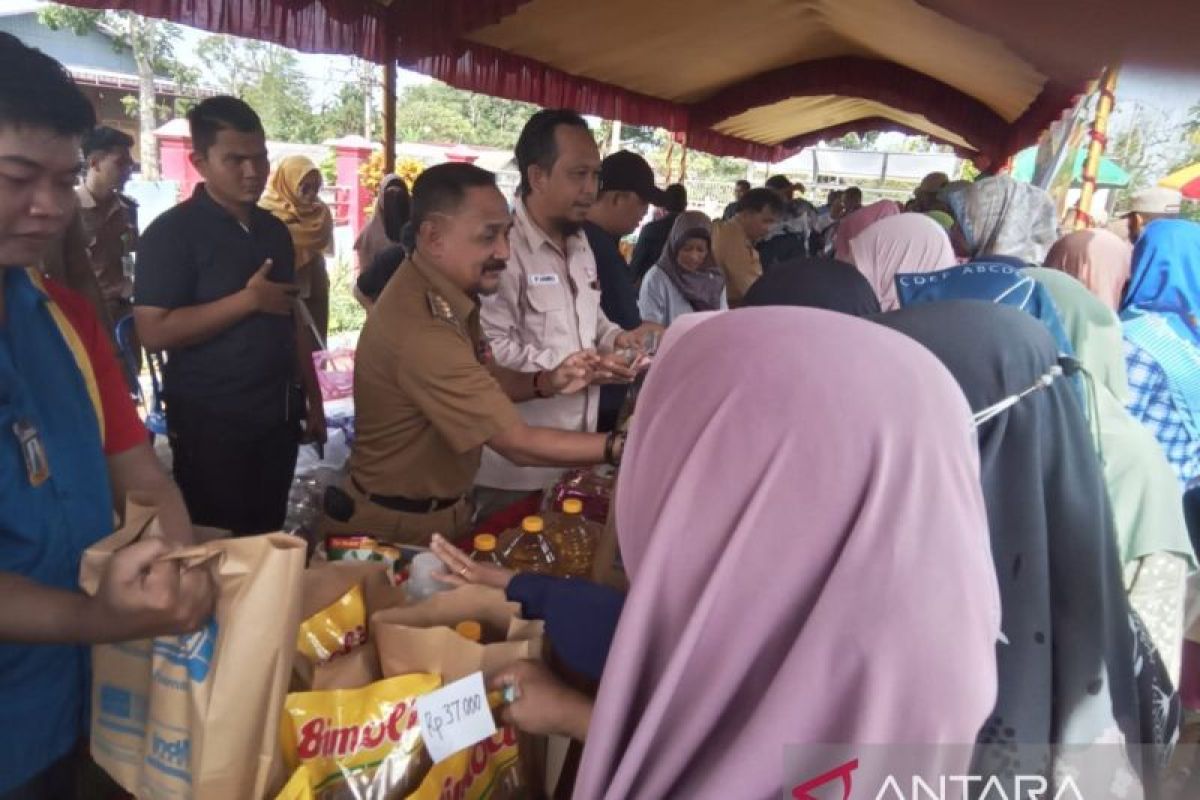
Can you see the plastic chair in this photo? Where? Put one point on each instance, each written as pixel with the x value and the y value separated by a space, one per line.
pixel 156 417
pixel 128 350
pixel 127 354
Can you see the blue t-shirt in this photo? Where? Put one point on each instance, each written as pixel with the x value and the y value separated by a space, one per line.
pixel 44 529
pixel 994 279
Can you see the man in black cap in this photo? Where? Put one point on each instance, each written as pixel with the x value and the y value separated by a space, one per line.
pixel 627 191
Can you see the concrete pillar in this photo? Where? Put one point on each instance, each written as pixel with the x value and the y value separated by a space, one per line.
pixel 174 151
pixel 350 154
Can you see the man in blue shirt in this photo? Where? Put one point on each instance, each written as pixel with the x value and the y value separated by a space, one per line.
pixel 71 449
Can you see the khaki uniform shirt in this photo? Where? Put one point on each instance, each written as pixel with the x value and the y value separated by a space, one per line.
pixel 424 400
pixel 110 234
pixel 738 258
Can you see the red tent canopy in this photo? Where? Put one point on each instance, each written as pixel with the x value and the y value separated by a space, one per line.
pixel 756 78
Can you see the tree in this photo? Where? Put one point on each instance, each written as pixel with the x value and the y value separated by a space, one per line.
pixel 1191 129
pixel 435 112
pixel 431 121
pixel 353 109
pixel 269 78
pixel 853 141
pixel 1142 143
pixel 152 44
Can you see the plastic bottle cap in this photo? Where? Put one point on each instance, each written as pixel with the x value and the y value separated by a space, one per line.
pixel 485 542
pixel 573 506
pixel 469 630
pixel 533 525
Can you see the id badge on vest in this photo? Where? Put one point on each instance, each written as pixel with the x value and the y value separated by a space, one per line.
pixel 37 466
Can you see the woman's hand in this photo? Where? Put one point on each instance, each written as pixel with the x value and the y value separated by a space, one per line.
pixel 540 703
pixel 461 570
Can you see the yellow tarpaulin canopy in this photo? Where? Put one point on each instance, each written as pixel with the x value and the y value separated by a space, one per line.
pixel 756 78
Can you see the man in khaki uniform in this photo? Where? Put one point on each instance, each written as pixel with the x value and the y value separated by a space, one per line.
pixel 733 240
pixel 427 395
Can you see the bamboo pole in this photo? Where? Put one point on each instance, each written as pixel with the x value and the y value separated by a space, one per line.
pixel 683 160
pixel 1098 139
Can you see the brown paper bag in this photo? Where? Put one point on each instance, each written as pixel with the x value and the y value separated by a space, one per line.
pixel 324 583
pixel 605 569
pixel 420 637
pixel 197 716
pixel 358 668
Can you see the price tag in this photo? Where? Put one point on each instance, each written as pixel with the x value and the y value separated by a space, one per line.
pixel 455 717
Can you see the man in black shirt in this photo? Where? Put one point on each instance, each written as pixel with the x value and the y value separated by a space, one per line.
pixel 214 289
pixel 626 191
pixel 653 238
pixel 739 191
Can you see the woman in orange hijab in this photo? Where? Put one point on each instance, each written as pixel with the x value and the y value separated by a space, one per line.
pixel 292 196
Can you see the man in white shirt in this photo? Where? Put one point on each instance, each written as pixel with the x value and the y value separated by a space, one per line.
pixel 548 304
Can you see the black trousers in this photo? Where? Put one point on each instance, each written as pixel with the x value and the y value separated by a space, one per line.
pixel 233 476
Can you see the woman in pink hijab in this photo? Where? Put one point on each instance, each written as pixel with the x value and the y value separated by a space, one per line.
pixel 1099 259
pixel 905 243
pixel 853 224
pixel 808 556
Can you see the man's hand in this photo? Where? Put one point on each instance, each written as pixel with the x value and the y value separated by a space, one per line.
pixel 141 596
pixel 640 338
pixel 574 374
pixel 314 424
pixel 542 704
pixel 613 368
pixel 268 296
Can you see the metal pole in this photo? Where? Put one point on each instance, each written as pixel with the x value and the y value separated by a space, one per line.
pixel 1099 138
pixel 367 81
pixel 389 115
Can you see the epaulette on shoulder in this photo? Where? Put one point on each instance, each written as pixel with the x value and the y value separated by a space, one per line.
pixel 440 308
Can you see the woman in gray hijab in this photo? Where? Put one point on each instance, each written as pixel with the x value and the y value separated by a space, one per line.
pixel 686 277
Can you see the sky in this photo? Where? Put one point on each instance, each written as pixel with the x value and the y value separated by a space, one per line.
pixel 1171 91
